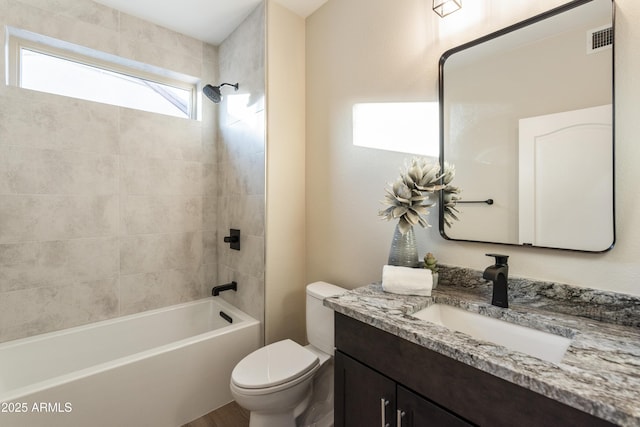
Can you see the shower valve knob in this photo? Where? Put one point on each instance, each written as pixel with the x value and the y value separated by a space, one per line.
pixel 233 239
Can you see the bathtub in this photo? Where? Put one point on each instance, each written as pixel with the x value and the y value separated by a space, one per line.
pixel 163 367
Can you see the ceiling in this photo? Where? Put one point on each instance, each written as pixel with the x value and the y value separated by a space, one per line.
pixel 208 20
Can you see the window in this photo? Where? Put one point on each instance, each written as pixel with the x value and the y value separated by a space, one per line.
pixel 48 65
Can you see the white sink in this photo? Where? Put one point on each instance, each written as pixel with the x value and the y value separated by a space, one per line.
pixel 533 342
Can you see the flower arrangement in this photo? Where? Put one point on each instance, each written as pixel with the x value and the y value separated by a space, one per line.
pixel 410 196
pixel 450 195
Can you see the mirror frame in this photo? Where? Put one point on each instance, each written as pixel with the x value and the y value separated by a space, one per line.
pixel 509 29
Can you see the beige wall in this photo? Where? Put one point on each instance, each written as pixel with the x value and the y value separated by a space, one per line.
pixel 285 249
pixel 380 51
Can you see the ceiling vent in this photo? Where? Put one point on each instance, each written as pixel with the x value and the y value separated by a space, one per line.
pixel 599 39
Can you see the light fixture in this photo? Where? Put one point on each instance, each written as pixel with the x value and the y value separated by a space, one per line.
pixel 445 7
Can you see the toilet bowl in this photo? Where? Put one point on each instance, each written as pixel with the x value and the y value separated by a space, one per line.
pixel 275 382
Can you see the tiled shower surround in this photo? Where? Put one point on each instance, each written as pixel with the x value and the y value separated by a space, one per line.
pixel 107 211
pixel 241 163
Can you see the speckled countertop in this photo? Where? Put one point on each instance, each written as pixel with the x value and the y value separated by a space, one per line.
pixel 600 372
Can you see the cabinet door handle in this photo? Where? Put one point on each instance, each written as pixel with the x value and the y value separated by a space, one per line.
pixel 383 417
pixel 399 415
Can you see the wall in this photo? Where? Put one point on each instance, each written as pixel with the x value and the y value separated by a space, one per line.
pixel 241 163
pixel 373 50
pixel 104 211
pixel 285 261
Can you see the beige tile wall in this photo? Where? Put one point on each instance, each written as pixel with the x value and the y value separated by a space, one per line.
pixel 241 162
pixel 107 211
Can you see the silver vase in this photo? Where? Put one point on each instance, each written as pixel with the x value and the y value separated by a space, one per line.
pixel 404 251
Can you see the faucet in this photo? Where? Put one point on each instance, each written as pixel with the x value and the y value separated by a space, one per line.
pixel 498 273
pixel 229 286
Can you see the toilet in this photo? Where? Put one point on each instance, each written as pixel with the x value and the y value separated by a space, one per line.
pixel 276 382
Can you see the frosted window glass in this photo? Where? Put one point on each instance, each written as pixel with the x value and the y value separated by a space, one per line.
pixel 48 73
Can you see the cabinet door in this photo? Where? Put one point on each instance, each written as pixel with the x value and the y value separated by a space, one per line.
pixel 363 397
pixel 416 411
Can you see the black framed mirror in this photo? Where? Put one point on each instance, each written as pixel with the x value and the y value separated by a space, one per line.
pixel 526 117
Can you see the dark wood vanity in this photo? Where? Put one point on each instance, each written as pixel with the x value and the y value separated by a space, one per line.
pixel 384 380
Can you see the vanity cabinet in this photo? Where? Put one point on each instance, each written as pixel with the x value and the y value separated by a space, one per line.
pixel 365 397
pixel 373 367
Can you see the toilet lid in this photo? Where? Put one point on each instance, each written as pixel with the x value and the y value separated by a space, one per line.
pixel 274 364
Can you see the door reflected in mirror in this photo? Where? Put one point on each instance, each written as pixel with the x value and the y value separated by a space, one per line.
pixel 527 118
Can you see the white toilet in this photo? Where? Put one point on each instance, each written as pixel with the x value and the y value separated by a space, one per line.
pixel 275 382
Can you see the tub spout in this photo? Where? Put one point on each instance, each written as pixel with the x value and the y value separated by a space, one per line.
pixel 229 286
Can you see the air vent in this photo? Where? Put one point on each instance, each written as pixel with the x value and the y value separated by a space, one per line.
pixel 599 39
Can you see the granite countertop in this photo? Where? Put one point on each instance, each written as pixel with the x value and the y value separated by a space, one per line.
pixel 600 372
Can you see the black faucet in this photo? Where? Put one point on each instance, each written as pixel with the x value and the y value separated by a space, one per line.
pixel 499 274
pixel 229 286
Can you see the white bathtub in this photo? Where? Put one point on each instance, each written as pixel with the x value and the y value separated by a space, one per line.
pixel 163 367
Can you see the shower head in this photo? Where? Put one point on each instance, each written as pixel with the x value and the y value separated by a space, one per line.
pixel 213 92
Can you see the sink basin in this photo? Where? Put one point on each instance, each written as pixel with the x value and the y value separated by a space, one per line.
pixel 533 342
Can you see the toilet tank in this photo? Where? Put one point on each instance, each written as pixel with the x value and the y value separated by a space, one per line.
pixel 320 332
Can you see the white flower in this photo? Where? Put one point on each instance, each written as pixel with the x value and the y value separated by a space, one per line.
pixel 449 195
pixel 406 199
pixel 422 175
pixel 449 173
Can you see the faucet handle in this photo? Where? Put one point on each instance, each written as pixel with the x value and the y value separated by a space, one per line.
pixel 500 259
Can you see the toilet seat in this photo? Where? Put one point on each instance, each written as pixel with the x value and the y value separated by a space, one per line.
pixel 274 367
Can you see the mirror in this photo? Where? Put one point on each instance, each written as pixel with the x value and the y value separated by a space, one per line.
pixel 526 117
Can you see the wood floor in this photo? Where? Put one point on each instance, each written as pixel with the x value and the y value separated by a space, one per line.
pixel 230 415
